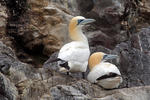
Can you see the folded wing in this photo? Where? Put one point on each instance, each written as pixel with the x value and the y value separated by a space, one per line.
pixel 74 51
pixel 102 69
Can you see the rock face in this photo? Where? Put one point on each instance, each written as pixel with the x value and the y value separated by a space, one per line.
pixel 40 84
pixel 35 27
pixel 39 27
pixel 102 39
pixel 7 57
pixel 51 85
pixel 106 13
pixel 3 19
pixel 139 93
pixel 8 90
pixel 135 59
pixel 108 25
pixel 49 29
pixel 70 5
pixel 15 71
pixel 63 92
pixel 3 23
pixel 111 38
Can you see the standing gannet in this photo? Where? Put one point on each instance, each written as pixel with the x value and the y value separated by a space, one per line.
pixel 73 56
pixel 103 73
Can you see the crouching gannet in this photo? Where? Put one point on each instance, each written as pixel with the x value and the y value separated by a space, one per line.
pixel 103 73
pixel 73 56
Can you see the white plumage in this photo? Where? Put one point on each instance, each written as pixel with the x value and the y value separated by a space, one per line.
pixel 101 69
pixel 76 53
pixel 73 56
pixel 105 68
pixel 104 73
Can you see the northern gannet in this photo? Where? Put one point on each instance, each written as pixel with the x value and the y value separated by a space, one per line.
pixel 103 73
pixel 73 56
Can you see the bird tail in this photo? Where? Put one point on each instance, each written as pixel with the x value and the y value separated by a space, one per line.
pixel 52 60
pixel 64 67
pixel 63 64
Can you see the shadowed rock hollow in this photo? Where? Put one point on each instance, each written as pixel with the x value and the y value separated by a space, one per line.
pixel 33 30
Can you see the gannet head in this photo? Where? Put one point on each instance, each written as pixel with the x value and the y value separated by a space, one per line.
pixel 98 57
pixel 75 27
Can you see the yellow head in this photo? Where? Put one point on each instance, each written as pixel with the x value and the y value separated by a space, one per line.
pixel 75 27
pixel 98 57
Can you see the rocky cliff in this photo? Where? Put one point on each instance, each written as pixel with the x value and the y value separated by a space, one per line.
pixel 34 30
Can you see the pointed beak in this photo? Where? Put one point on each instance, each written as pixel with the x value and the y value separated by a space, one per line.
pixel 87 21
pixel 109 57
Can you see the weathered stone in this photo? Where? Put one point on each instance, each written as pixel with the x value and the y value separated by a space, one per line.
pixel 108 5
pixel 106 12
pixel 94 92
pixel 9 65
pixel 7 57
pixel 30 88
pixel 49 31
pixel 3 98
pixel 137 93
pixel 135 59
pixel 20 74
pixel 34 84
pixel 85 6
pixel 70 5
pixel 46 97
pixel 99 38
pixel 3 23
pixel 63 92
pixel 41 26
pixel 3 19
pixel 8 90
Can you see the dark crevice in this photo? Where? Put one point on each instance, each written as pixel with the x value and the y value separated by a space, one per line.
pixel 17 24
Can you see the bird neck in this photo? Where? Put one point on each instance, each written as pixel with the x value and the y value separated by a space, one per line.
pixel 76 34
pixel 94 60
pixel 91 67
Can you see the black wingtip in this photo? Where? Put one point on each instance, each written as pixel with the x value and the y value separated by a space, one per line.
pixel 51 61
pixel 64 64
pixel 110 75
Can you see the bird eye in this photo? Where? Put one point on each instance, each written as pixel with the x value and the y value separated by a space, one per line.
pixel 79 21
